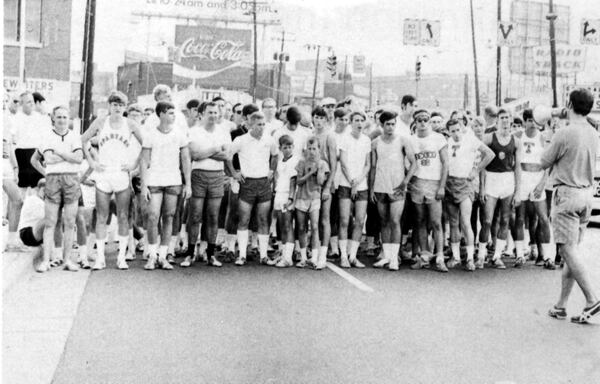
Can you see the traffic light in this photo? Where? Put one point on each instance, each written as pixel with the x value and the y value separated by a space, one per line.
pixel 418 70
pixel 332 65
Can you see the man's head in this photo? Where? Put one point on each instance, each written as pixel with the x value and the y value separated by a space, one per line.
pixel 341 118
pixel 293 115
pixel 12 101
pixel 490 113
pixel 286 145
pixel 478 126
pixel 249 109
pixel 387 120
pixel 454 128
pixel 60 117
pixel 269 107
pixel 192 107
pixel 162 92
pixel 220 103
pixel 116 103
pixel 516 125
pixel 148 111
pixel 237 113
pixel 27 103
pixel 357 121
pixel 581 102
pixel 312 148
pixel 256 124
pixel 528 120
pixel 165 110
pixel 135 113
pixel 283 113
pixel 437 122
pixel 319 118
pixel 39 102
pixel 211 113
pixel 408 104
pixel 503 119
pixel 421 118
pixel 328 105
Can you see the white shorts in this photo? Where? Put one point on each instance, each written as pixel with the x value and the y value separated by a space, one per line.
pixel 530 180
pixel 281 199
pixel 88 194
pixel 499 185
pixel 112 181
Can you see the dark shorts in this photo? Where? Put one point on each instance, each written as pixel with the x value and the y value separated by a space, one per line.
pixel 346 193
pixel 136 184
pixel 208 184
pixel 256 191
pixel 458 190
pixel 62 188
pixel 28 176
pixel 167 190
pixel 26 235
pixel 388 198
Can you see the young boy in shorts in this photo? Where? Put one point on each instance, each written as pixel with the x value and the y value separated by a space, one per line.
pixel 312 175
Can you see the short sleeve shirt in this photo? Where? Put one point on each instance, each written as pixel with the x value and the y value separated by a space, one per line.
pixel 203 139
pixel 310 190
pixel 462 155
pixel 284 173
pixel 165 149
pixel 427 153
pixel 254 154
pixel 29 129
pixel 68 142
pixel 357 151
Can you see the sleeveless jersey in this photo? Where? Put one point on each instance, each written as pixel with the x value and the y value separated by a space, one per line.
pixel 113 145
pixel 505 156
pixel 389 171
pixel 532 149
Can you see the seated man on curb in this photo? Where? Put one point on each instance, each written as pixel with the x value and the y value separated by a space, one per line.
pixel 31 222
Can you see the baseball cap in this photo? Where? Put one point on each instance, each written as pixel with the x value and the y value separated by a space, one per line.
pixel 328 101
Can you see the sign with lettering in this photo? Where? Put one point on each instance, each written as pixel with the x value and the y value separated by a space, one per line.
pixel 507 34
pixel 359 64
pixel 56 92
pixel 590 32
pixel 569 59
pixel 422 32
pixel 209 8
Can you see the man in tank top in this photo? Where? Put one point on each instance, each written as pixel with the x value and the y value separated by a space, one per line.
pixel 112 166
pixel 502 185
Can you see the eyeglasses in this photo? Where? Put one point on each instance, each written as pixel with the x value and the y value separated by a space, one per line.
pixel 238 112
pixel 422 120
pixel 15 101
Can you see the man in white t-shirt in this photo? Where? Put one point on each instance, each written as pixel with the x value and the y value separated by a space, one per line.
pixel 269 107
pixel 427 188
pixel 463 151
pixel 257 155
pixel 355 162
pixel 295 130
pixel 209 150
pixel 163 150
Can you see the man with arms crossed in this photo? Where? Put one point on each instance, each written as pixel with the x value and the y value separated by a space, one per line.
pixel 572 156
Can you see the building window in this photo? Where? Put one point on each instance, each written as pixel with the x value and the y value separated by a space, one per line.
pixel 12 22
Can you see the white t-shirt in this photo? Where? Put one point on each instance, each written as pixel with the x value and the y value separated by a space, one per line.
pixel 285 171
pixel 32 211
pixel 300 136
pixel 462 155
pixel 357 151
pixel 272 126
pixel 254 154
pixel 427 153
pixel 164 167
pixel 29 129
pixel 153 121
pixel 402 128
pixel 69 143
pixel 203 139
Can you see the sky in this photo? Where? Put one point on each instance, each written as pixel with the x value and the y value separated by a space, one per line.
pixel 368 27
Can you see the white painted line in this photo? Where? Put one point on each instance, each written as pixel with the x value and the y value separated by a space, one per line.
pixel 349 278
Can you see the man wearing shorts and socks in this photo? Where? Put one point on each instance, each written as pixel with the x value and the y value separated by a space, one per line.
pixel 388 185
pixel 463 150
pixel 533 182
pixel 341 120
pixel 209 147
pixel 427 188
pixel 164 154
pixel 62 153
pixel 258 158
pixel 502 186
pixel 355 163
pixel 114 134
pixel 572 156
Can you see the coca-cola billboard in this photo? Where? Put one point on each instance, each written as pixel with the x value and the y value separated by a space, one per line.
pixel 213 56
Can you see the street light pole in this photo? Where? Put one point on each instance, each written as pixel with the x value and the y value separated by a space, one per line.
pixel 499 63
pixel 280 67
pixel 255 79
pixel 314 94
pixel 22 40
pixel 551 17
pixel 475 60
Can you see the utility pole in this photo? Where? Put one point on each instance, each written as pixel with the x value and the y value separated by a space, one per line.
pixel 316 76
pixel 551 17
pixel 344 79
pixel 417 76
pixel 475 60
pixel 255 79
pixel 22 39
pixel 499 63
pixel 85 93
pixel 371 86
pixel 280 68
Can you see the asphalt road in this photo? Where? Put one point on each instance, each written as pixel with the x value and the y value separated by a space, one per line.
pixel 257 324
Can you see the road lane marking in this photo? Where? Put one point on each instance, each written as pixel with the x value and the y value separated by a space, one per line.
pixel 349 278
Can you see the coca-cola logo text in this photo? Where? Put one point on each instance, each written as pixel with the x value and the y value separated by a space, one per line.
pixel 224 50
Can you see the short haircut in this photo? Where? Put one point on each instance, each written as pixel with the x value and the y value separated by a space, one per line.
pixel 208 104
pixel 479 120
pixel 517 120
pixel 163 106
pixel 293 115
pixel 258 115
pixel 313 140
pixel 582 101
pixel 387 116
pixel 491 111
pixel 60 107
pixel 249 109
pixel 160 89
pixel 438 114
pixel 340 112
pixel 194 103
pixel 117 97
pixel 217 98
pixel 149 109
pixel 285 140
pixel 379 111
pixel 134 108
pixel 235 106
pixel 452 122
pixel 407 99
pixel 527 114
pixel 501 111
pixel 202 107
pixel 268 99
pixel 419 111
pixel 319 111
pixel 357 113
pixel 37 97
pixel 26 93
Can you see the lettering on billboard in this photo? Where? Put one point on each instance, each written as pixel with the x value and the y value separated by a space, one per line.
pixel 569 59
pixel 216 6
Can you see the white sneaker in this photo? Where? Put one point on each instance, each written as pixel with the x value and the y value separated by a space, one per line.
pixel 356 263
pixel 187 262
pixel 214 262
pixel 240 261
pixel 381 263
pixel 164 264
pixel 130 256
pixel 344 263
pixel 150 264
pixel 99 263
pixel 122 264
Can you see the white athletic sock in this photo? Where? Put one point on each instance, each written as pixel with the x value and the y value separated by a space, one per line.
pixel 302 254
pixel 344 249
pixel 254 240
pixel 123 240
pixel 57 253
pixel 394 250
pixel 323 254
pixel 162 252
pixel 500 245
pixel 131 243
pixel 509 242
pixel 100 243
pixel 171 246
pixel 242 239
pixel 519 248
pixel 353 249
pixel 526 238
pixel 455 251
pixel 152 250
pixel 335 246
pixel 231 243
pixel 549 251
pixel 470 251
pixel 91 240
pixel 263 245
pixel 482 254
pixel 386 251
pixel 314 255
pixel 288 251
pixel 83 255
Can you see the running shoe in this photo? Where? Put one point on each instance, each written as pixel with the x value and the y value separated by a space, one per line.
pixel 344 263
pixel 381 263
pixel 188 261
pixel 164 264
pixel 539 261
pixel 549 264
pixel 587 314
pixel 122 264
pixel 498 264
pixel 419 263
pixel 214 262
pixel 171 258
pixel 301 264
pixel 557 313
pixel 440 266
pixel 240 261
pixel 470 266
pixel 356 263
pixel 150 264
pixel 519 262
pixel 283 263
pixel 452 263
pixel 42 267
pixel 71 267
